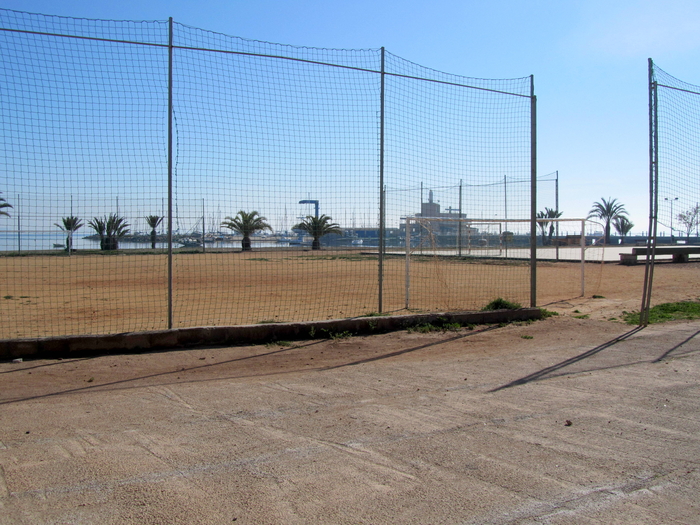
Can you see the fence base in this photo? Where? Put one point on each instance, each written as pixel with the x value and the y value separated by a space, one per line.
pixel 68 346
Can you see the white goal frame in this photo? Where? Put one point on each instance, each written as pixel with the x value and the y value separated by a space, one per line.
pixel 502 249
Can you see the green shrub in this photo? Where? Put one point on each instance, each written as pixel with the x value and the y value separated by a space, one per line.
pixel 500 304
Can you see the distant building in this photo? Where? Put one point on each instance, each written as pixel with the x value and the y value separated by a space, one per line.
pixel 442 231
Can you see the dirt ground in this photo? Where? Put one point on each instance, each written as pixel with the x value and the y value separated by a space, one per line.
pixel 96 294
pixel 561 421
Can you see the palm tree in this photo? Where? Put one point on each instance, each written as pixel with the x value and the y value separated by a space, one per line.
pixel 623 226
pixel 246 224
pixel 317 227
pixel 607 211
pixel 153 222
pixel 70 224
pixel 98 225
pixel 4 204
pixel 548 213
pixel 542 225
pixel 110 229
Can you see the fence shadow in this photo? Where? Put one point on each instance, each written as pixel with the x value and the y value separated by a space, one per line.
pixel 412 349
pixel 536 376
pixel 671 350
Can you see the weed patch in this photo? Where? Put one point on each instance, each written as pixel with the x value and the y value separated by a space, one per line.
pixel 684 310
pixel 439 325
pixel 547 313
pixel 335 336
pixel 500 304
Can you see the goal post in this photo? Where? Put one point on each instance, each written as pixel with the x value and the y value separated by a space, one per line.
pixel 476 260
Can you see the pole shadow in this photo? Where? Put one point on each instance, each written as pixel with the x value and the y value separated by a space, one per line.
pixel 568 362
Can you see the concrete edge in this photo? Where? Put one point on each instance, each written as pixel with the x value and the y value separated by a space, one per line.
pixel 88 345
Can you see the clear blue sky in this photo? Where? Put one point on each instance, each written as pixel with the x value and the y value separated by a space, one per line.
pixel 589 59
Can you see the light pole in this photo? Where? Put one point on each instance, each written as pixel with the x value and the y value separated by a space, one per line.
pixel 669 199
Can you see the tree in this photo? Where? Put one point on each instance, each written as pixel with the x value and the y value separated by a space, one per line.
pixel 4 205
pixel 542 226
pixel 98 225
pixel 607 211
pixel 689 219
pixel 70 225
pixel 110 229
pixel 317 227
pixel 153 222
pixel 246 224
pixel 623 226
pixel 548 213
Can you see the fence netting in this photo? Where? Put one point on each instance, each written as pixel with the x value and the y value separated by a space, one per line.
pixel 674 189
pixel 267 136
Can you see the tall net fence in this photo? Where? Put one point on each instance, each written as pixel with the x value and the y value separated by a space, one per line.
pixel 674 189
pixel 130 149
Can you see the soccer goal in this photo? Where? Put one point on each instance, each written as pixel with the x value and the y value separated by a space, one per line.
pixel 461 263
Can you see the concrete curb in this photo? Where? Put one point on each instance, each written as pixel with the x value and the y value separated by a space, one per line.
pixel 87 345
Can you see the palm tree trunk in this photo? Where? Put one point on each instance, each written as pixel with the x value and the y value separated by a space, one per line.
pixel 316 244
pixel 111 243
pixel 153 239
pixel 245 244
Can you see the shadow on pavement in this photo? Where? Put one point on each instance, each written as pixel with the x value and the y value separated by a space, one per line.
pixel 572 360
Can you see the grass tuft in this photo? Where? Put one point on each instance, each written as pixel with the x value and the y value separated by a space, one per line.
pixel 683 310
pixel 500 304
pixel 547 313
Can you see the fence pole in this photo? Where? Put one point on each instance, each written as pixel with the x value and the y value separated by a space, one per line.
pixel 583 257
pixel 556 206
pixel 653 197
pixel 459 222
pixel 381 189
pixel 408 261
pixel 170 173
pixel 533 194
pixel 19 227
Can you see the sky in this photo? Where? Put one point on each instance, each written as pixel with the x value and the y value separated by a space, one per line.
pixel 588 58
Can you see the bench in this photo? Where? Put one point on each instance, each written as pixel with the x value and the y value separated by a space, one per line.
pixel 680 253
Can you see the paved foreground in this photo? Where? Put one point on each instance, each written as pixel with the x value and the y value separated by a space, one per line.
pixel 560 421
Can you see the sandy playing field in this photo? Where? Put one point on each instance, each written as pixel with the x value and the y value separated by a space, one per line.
pixel 93 294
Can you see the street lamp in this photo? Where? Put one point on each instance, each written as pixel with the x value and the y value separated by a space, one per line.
pixel 671 201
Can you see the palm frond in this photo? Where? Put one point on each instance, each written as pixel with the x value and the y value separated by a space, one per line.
pixel 4 205
pixel 153 221
pixel 70 224
pixel 246 223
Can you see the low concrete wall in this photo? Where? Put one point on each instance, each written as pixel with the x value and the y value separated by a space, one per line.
pixel 65 346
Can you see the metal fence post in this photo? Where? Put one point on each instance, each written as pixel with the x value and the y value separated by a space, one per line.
pixel 583 257
pixel 381 190
pixel 408 262
pixel 653 196
pixel 533 194
pixel 170 173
